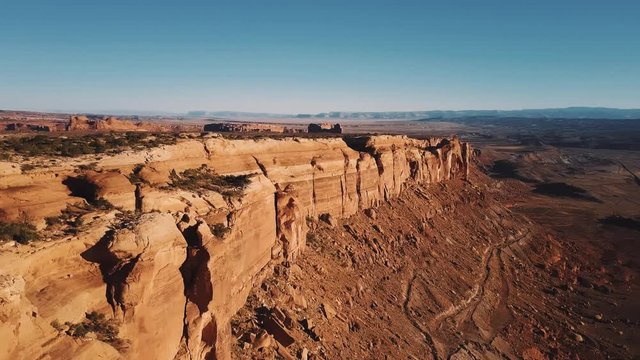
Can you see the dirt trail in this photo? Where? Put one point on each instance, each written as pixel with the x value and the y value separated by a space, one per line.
pixel 407 312
pixel 484 310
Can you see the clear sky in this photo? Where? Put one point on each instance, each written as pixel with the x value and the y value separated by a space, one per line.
pixel 318 55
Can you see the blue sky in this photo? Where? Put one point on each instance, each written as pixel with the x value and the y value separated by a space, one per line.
pixel 318 55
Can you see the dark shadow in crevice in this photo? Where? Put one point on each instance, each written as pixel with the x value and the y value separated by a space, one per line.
pixel 114 271
pixel 198 288
pixel 81 187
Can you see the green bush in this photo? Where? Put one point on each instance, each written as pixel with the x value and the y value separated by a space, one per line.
pixel 78 330
pixel 56 325
pixel 90 166
pixel 71 146
pixel 53 220
pixel 27 167
pixel 312 239
pixel 77 222
pixel 219 230
pixel 21 232
pixel 204 178
pixel 101 204
pixel 105 329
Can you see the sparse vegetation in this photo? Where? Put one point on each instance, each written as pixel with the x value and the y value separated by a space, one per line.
pixel 90 166
pixel 70 217
pixel 27 167
pixel 101 204
pixel 77 222
pixel 105 329
pixel 204 178
pixel 219 230
pixel 71 146
pixel 312 240
pixel 53 220
pixel 22 232
pixel 127 219
pixel 56 325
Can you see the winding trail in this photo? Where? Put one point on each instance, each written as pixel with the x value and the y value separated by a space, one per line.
pixel 492 278
pixel 405 306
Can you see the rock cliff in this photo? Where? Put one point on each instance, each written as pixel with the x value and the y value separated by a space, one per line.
pixel 169 241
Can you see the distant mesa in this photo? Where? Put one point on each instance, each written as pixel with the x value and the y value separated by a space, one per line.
pixel 270 128
pixel 37 122
pixel 83 122
pixel 548 113
pixel 19 127
pixel 325 128
pixel 244 127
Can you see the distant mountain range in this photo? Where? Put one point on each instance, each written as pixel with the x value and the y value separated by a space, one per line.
pixel 569 112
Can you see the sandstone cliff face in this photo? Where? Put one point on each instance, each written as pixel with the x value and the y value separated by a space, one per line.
pixel 141 268
pixel 171 282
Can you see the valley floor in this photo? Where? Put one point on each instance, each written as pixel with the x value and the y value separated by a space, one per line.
pixel 444 271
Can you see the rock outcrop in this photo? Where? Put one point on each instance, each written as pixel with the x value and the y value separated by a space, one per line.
pixel 325 128
pixel 113 187
pixel 140 266
pixel 175 275
pixel 110 123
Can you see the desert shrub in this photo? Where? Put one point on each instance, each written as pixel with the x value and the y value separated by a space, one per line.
pixel 71 146
pixel 312 239
pixel 105 329
pixel 27 167
pixel 53 220
pixel 70 218
pixel 56 325
pixel 219 230
pixel 127 219
pixel 77 222
pixel 101 204
pixel 90 166
pixel 78 330
pixel 204 178
pixel 21 232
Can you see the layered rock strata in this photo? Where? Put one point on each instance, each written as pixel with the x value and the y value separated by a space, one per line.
pixel 171 265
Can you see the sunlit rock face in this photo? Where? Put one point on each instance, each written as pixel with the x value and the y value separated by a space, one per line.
pixel 169 265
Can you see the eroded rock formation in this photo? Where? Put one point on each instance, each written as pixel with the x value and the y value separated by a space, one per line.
pixel 84 123
pixel 325 128
pixel 173 265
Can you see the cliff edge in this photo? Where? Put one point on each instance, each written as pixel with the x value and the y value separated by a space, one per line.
pixel 150 253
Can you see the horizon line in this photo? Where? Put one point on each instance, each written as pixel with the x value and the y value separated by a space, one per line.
pixel 186 112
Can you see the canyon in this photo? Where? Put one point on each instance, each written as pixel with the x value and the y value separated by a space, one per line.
pixel 169 263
